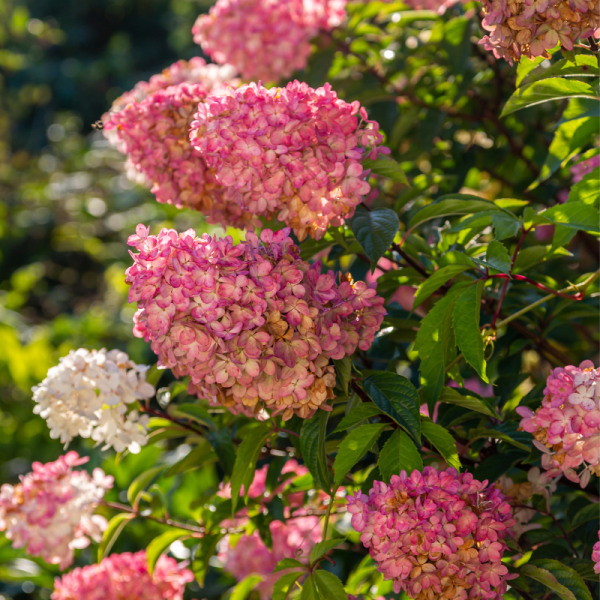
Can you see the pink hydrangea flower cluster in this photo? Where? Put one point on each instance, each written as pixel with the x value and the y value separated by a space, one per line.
pixel 596 556
pixel 251 324
pixel 566 427
pixel 249 555
pixel 437 534
pixel 150 126
pixel 265 39
pixel 293 152
pixel 51 511
pixel 530 28
pixel 581 169
pixel 125 577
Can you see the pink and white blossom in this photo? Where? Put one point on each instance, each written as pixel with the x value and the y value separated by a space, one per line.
pixel 125 577
pixel 293 153
pixel 253 325
pixel 51 511
pixel 436 534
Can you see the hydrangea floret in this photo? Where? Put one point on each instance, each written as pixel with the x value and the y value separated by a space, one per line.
pixel 291 152
pixel 596 556
pixel 150 126
pixel 125 577
pixel 251 324
pixel 436 534
pixel 51 511
pixel 265 39
pixel 90 394
pixel 529 28
pixel 566 427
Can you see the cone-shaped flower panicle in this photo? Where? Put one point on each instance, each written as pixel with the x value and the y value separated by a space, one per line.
pixel 251 324
pixel 291 152
pixel 566 427
pixel 93 394
pixel 51 511
pixel 150 125
pixel 529 28
pixel 265 39
pixel 125 577
pixel 437 534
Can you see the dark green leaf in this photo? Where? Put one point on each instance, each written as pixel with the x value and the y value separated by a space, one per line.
pixel 397 397
pixel 323 547
pixel 435 281
pixel 358 414
pixel 343 369
pixel 576 215
pixel 485 432
pixel 554 88
pixel 284 585
pixel 496 465
pixel 452 204
pixel 399 454
pixel 221 442
pixel 288 563
pixel 141 482
pixel 442 441
pixel 112 532
pixel 200 455
pixel 312 446
pixel 353 447
pixel 497 257
pixel 451 396
pixel 192 412
pixel 584 65
pixel 160 544
pixel 505 226
pixel 309 590
pixel 466 328
pixel 548 579
pixel 375 231
pixel 245 461
pixel 206 549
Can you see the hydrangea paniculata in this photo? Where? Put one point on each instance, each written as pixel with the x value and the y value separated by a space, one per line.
pixel 436 535
pixel 125 577
pixel 265 39
pixel 290 152
pixel 251 324
pixel 51 511
pixel 566 427
pixel 530 28
pixel 150 126
pixel 89 394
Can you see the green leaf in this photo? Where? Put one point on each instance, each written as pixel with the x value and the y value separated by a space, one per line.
pixel 141 482
pixel 221 442
pixel 452 204
pixel 309 590
pixel 329 586
pixel 576 215
pixel 161 543
pixel 192 412
pixel 288 563
pixel 442 441
pixel 436 281
pixel 466 328
pixel 112 532
pixel 525 67
pixel 358 414
pixel 435 344
pixel 484 432
pixel 245 461
pixel 397 397
pixel 497 257
pixel 587 513
pixel 343 369
pixel 546 578
pixel 533 255
pixel 399 454
pixel 451 396
pixel 569 139
pixel 312 446
pixel 585 569
pixel 584 65
pixel 197 457
pixel 586 190
pixel 375 231
pixel 386 167
pixel 554 88
pixel 242 590
pixel 353 447
pixel 154 374
pixel 577 108
pixel 206 549
pixel 505 226
pixel 284 585
pixel 565 576
pixel 323 548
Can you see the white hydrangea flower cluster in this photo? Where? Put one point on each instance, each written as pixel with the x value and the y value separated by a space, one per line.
pixel 90 393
